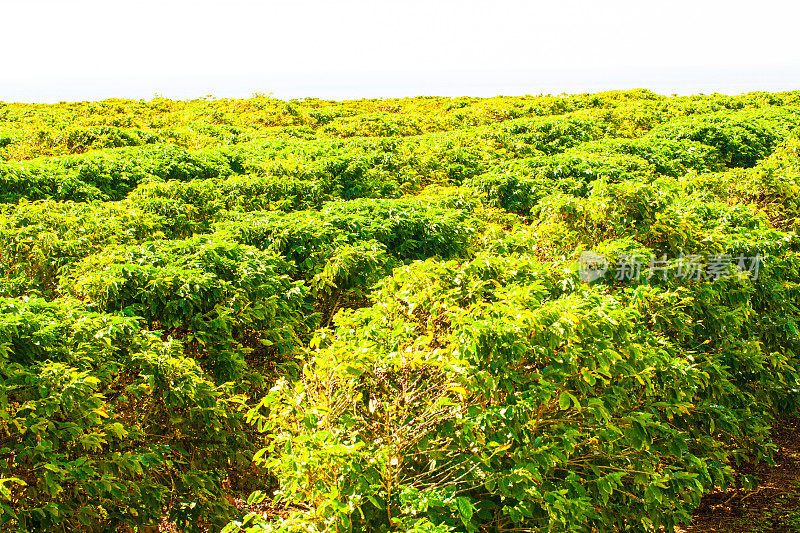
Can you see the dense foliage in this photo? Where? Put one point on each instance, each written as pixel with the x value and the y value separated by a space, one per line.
pixel 373 316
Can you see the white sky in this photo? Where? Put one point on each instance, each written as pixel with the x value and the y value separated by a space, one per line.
pixel 85 49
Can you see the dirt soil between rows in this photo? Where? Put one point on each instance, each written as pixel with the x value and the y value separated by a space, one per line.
pixel 773 507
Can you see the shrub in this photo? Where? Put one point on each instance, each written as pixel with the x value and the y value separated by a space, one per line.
pixel 494 392
pixel 105 424
pixel 223 299
pixel 742 138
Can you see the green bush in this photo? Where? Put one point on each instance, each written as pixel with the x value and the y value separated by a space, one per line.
pixel 670 158
pixel 39 240
pixel 371 311
pixel 742 138
pixel 521 186
pixel 495 392
pixel 551 135
pixel 224 300
pixel 105 424
pixel 409 228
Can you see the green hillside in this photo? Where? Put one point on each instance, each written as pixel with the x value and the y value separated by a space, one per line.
pixel 570 313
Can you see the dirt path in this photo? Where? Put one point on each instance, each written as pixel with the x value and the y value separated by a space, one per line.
pixel 773 508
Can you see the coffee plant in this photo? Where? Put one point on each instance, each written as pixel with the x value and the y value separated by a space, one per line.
pixel 377 315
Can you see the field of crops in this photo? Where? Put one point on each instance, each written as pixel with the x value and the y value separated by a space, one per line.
pixel 381 315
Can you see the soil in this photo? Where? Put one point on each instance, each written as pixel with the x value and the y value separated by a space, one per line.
pixel 774 507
